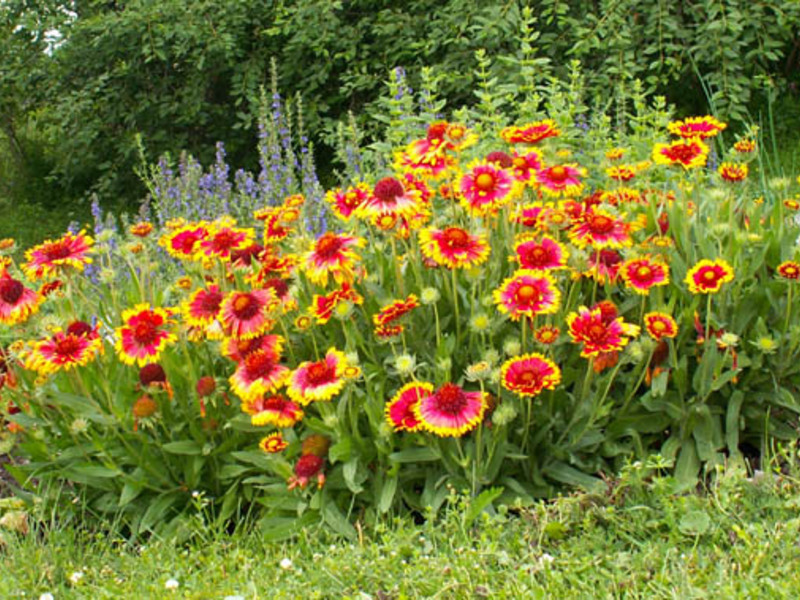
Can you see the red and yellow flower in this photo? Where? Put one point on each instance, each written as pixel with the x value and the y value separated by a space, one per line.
pixel 696 127
pixel 247 314
pixel 688 153
pixel 53 257
pixel 322 307
pixel 600 229
pixel 318 381
pixel 529 374
pixel 707 276
pixel 733 172
pixel 524 166
pixel 660 325
pixel 789 269
pixel 547 334
pixel 390 196
pixel 486 188
pixel 184 242
pixel 527 293
pixel 530 133
pixel 451 411
pixel 561 181
pixel 401 411
pixel 344 203
pixel 17 303
pixel 641 274
pixel 258 374
pixel 453 247
pixel 745 146
pixel 77 346
pixel 144 334
pixel 141 229
pixel 598 334
pixel 203 306
pixel 273 443
pixel 542 255
pixel 237 349
pixel 272 409
pixel 394 310
pixel 333 255
pixel 223 238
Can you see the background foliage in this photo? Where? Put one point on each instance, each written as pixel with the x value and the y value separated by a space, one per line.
pixel 82 77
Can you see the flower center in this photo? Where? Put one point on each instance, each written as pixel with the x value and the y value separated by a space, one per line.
pixel 388 189
pixel 187 242
pixel 644 272
pixel 56 250
pixel 558 173
pixel 455 132
pixel 145 333
pixel 79 328
pixel 528 377
pixel 456 238
pixel 319 372
pixel 245 307
pixel 597 332
pixel 601 224
pixel 328 245
pixel 659 326
pixel 528 294
pixel 709 275
pixel 682 153
pixel 68 346
pixel 484 182
pixel 450 399
pixel 210 302
pixel 520 163
pixel 279 286
pixel 11 290
pixel 259 365
pixel 537 255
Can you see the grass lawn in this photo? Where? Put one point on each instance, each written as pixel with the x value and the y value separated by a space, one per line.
pixel 736 540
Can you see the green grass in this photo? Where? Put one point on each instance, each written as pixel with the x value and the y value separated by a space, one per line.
pixel 637 540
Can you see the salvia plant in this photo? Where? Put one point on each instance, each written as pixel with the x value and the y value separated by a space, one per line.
pixel 502 305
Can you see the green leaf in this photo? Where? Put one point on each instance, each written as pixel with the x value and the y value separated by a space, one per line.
pixel 412 455
pixel 274 529
pixel 480 503
pixel 350 472
pixel 732 421
pixel 695 522
pixel 386 497
pixel 186 447
pixel 336 519
pixel 571 476
pixel 687 467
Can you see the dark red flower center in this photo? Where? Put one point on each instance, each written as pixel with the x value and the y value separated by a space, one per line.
pixel 319 372
pixel 597 332
pixel 644 272
pixel 388 190
pixel 11 290
pixel 259 365
pixel 328 246
pixel 451 399
pixel 500 158
pixel 152 373
pixel 79 328
pixel 210 301
pixel 57 250
pixel 225 240
pixel 456 238
pixel 279 286
pixel 145 332
pixel 530 378
pixel 245 307
pixel 68 346
pixel 558 174
pixel 308 466
pixel 682 152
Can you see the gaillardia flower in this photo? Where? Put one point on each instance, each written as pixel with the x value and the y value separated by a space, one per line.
pixel 274 410
pixel 530 133
pixel 529 374
pixel 17 302
pixel 273 443
pixel 318 381
pixel 600 229
pixel 643 273
pixel 322 307
pixel 143 335
pixel 259 373
pixel 223 239
pixel 332 255
pixel 542 255
pixel 246 314
pixel 789 269
pixel 527 293
pixel 707 277
pixel 547 334
pixel 65 350
pixel 453 247
pixel 395 310
pixel 660 325
pixel 451 411
pixel 563 181
pixel 688 153
pixel 486 188
pixel 733 172
pixel 203 307
pixel 400 410
pixel 52 257
pixel 344 203
pixel 184 242
pixel 696 127
pixel 597 334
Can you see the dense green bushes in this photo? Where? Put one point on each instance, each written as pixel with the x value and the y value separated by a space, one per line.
pixel 186 73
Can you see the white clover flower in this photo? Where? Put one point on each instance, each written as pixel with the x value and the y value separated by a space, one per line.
pixel 75 577
pixel 79 426
pixel 46 596
pixel 171 584
pixel 286 563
